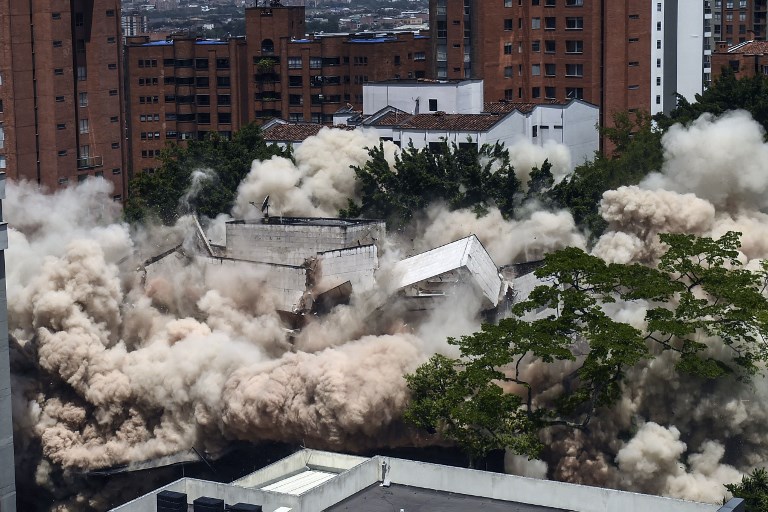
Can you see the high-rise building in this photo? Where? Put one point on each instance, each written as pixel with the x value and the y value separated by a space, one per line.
pixel 61 119
pixel 738 21
pixel 308 78
pixel 618 54
pixel 183 89
pixel 7 473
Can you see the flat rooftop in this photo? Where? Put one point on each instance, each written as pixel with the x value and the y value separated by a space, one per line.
pixel 308 221
pixel 376 498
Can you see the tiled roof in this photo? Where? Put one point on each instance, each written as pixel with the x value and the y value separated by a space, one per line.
pixel 451 122
pixel 391 118
pixel 292 131
pixel 750 47
pixel 505 107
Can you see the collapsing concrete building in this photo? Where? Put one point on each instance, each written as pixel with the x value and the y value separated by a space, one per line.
pixel 311 265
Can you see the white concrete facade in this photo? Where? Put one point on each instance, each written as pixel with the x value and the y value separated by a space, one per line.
pixel 353 474
pixel 421 97
pixel 292 243
pixel 573 124
pixel 681 51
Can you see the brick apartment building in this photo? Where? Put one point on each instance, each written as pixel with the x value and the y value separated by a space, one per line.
pixel 746 59
pixel 308 78
pixel 544 50
pixel 182 89
pixel 60 96
pixel 738 21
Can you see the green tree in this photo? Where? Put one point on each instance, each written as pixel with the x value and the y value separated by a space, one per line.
pixel 462 176
pixel 725 93
pixel 226 162
pixel 753 489
pixel 637 152
pixel 482 400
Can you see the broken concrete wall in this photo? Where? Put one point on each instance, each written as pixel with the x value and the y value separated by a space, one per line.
pixel 356 265
pixel 292 243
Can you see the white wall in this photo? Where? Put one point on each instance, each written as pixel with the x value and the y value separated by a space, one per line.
pixel 690 48
pixel 464 97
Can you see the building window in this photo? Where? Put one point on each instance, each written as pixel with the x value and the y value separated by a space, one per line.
pixel 295 81
pixel 658 26
pixel 535 23
pixel 82 73
pixel 550 3
pixel 111 65
pixel 509 94
pixel 574 23
pixel 113 92
pixel 116 171
pixel 536 92
pixel 83 123
pixel 56 15
pixel 550 23
pixel 224 99
pixel 536 46
pixel 658 63
pixel 507 48
pixel 58 71
pixel 574 70
pixel 433 105
pixel 550 93
pixel 658 80
pixel 79 19
pixel 110 13
pixel 634 64
pixel 113 119
pixel 574 47
pixel 222 81
pixel 115 145
pixel 59 99
pixel 574 3
pixel 83 99
pixel 225 118
pixel 550 46
pixel 658 44
pixel 574 93
pixel 222 63
pixel 61 126
pixel 57 44
pixel 315 62
pixel 508 72
pixel 658 99
pixel 507 3
pixel 110 40
pixel 549 70
pixel 62 152
pixel 535 69
pixel 508 24
pixel 294 62
pixel 633 87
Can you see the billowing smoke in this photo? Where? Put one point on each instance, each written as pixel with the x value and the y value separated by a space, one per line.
pixel 318 184
pixel 116 365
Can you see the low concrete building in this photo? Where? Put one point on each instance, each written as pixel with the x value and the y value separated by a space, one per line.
pixel 315 481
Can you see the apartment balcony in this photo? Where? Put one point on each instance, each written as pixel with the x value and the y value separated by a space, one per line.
pixel 90 162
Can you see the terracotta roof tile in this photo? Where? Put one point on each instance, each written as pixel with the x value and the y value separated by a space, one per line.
pixel 451 122
pixel 750 48
pixel 291 131
pixel 505 107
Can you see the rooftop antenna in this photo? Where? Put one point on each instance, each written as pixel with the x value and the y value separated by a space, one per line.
pixel 265 207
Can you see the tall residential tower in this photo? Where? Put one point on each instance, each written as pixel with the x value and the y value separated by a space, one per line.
pixel 61 117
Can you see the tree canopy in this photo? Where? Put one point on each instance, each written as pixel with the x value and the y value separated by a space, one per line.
pixel 461 176
pixel 727 92
pixel 483 400
pixel 224 162
pixel 753 489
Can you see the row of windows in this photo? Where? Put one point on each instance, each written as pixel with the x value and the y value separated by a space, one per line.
pixel 84 152
pixel 197 81
pixel 550 46
pixel 147 63
pixel 571 70
pixel 80 44
pixel 549 93
pixel 79 16
pixel 547 3
pixel 200 118
pixel 221 63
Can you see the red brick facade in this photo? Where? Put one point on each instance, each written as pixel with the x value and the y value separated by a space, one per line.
pixel 544 50
pixel 61 91
pixel 174 88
